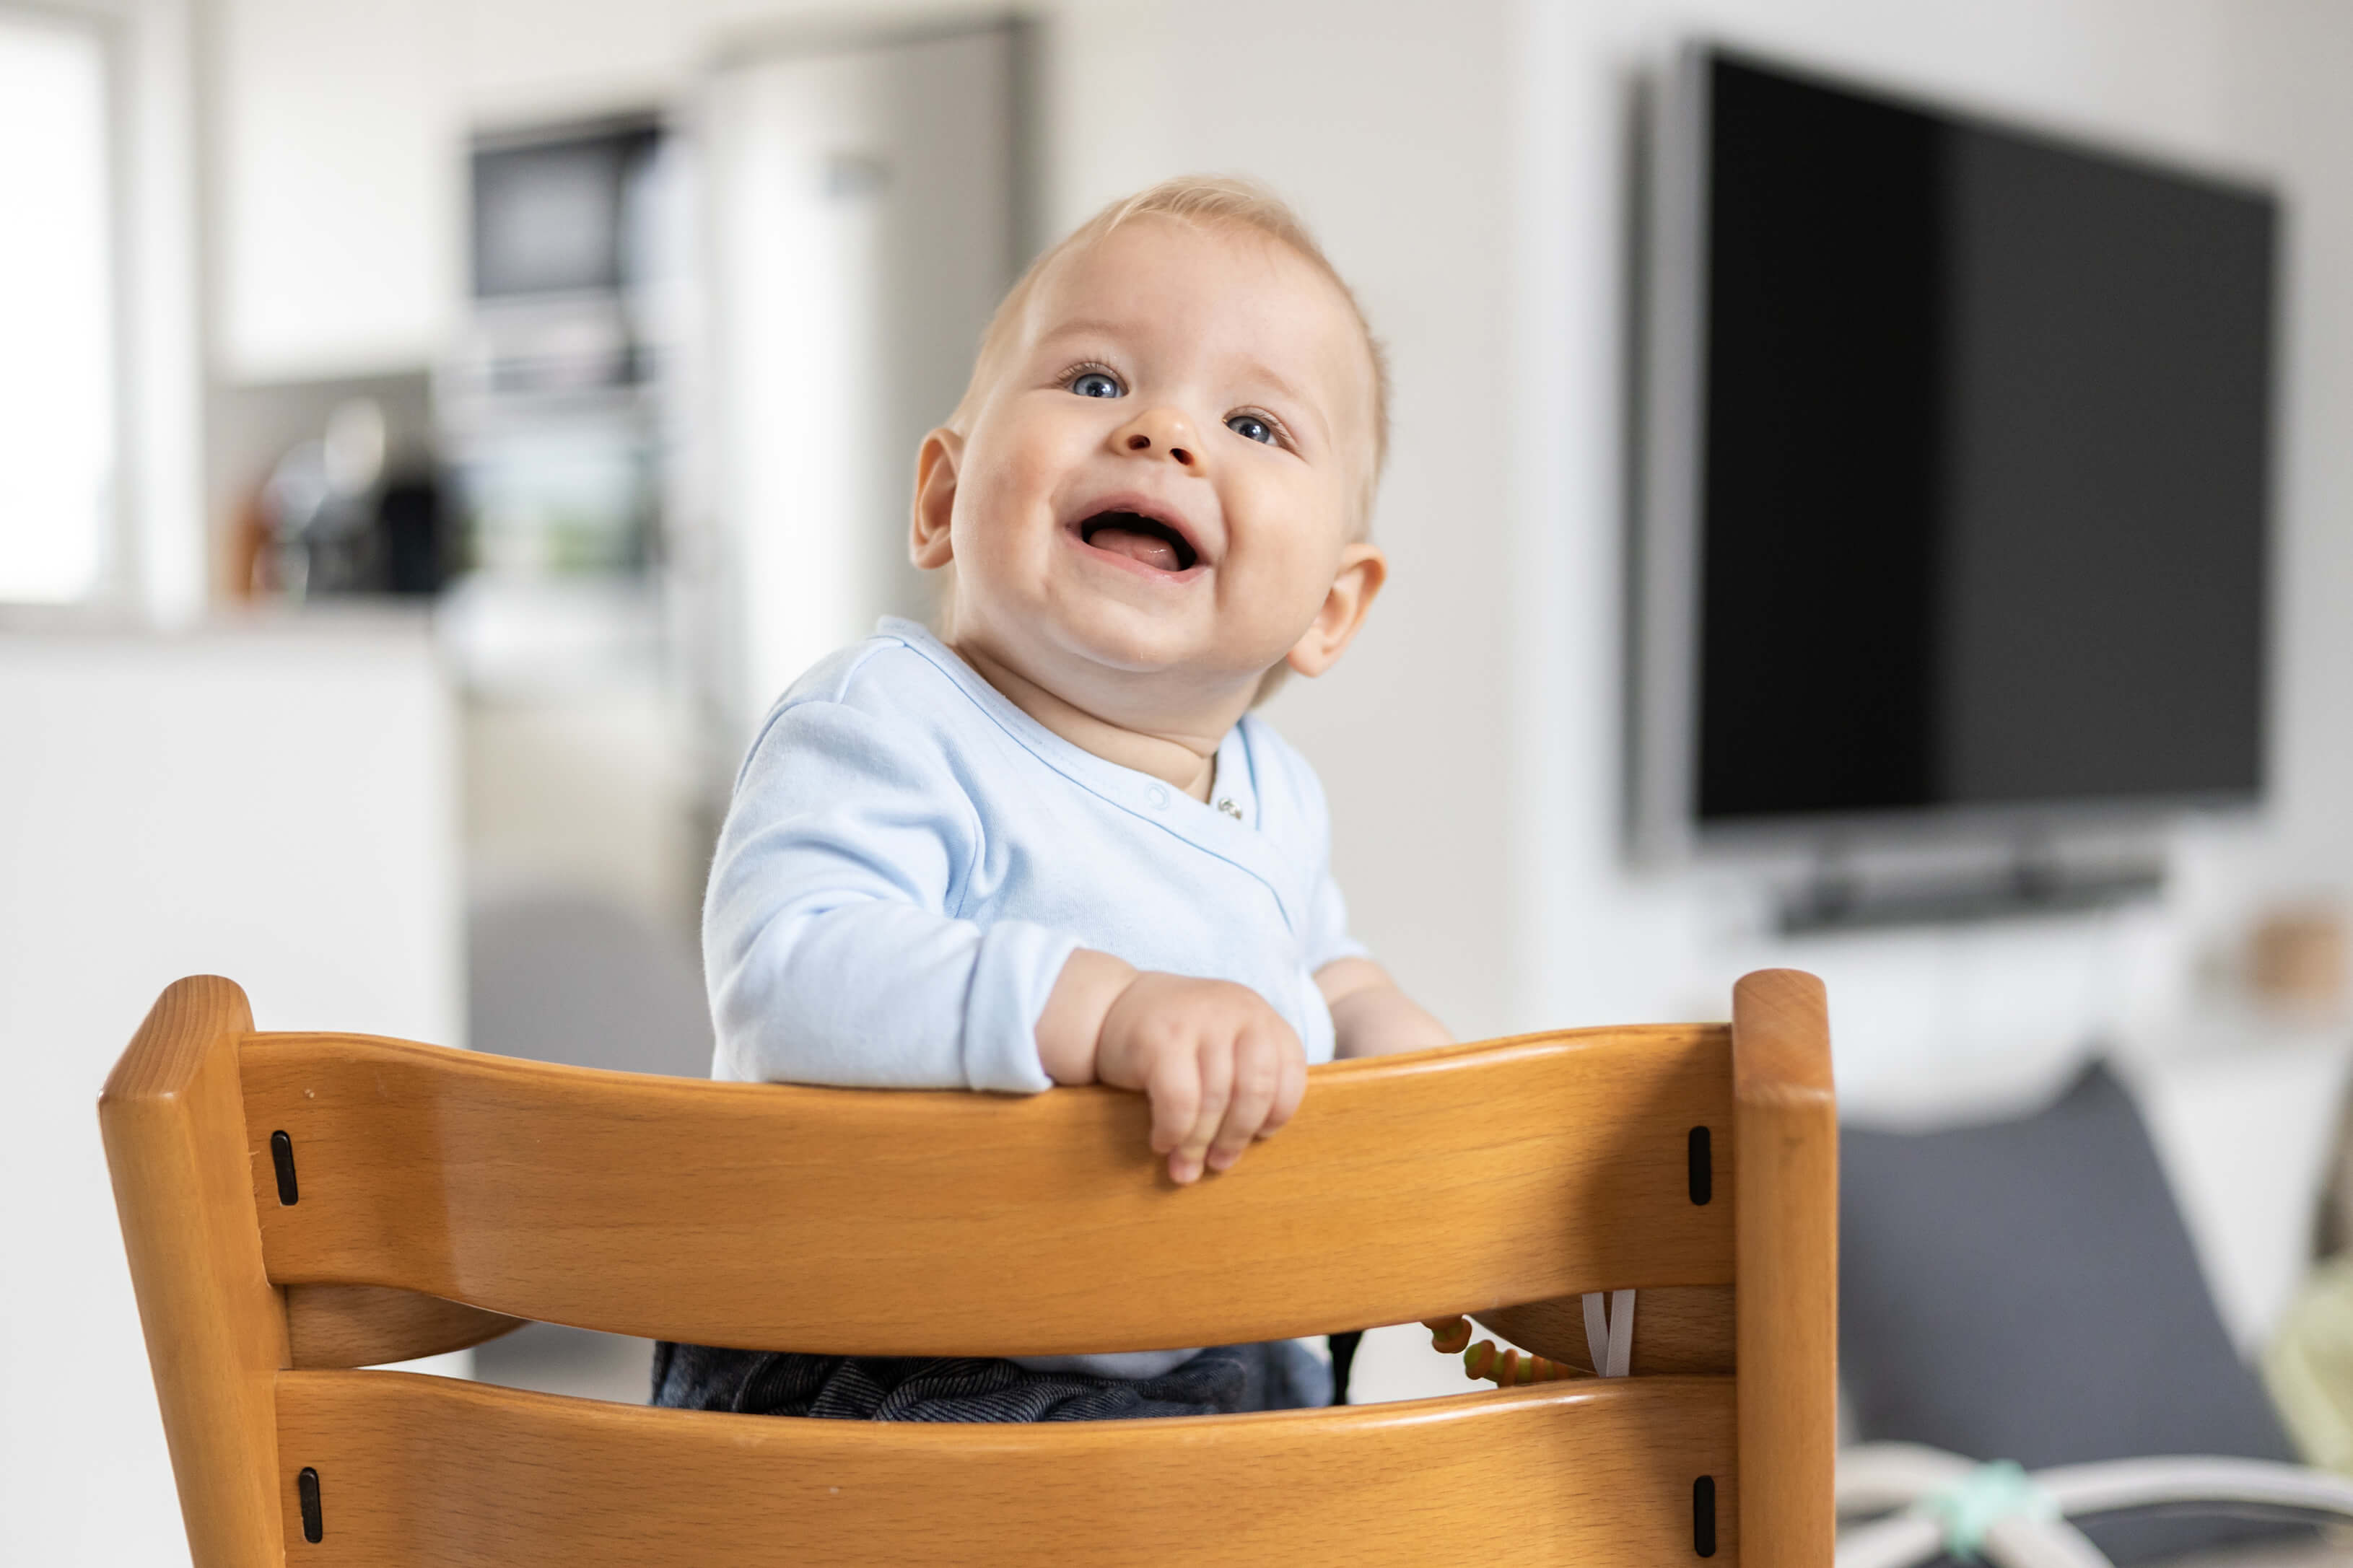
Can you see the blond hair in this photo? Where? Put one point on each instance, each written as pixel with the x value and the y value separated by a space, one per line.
pixel 1200 200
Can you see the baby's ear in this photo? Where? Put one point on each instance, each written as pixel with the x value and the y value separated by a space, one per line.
pixel 936 462
pixel 1363 570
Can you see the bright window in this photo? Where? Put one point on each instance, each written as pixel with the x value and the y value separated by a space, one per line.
pixel 58 432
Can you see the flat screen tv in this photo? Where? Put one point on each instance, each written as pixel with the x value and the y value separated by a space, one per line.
pixel 1957 477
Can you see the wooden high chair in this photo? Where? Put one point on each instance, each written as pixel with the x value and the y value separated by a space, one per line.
pixel 298 1204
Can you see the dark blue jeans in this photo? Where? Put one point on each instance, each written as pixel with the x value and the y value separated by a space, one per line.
pixel 1281 1375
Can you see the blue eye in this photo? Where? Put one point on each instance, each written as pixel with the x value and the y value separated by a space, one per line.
pixel 1094 384
pixel 1250 428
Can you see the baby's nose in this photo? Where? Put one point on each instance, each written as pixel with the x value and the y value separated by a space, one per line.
pixel 1163 430
pixel 1140 442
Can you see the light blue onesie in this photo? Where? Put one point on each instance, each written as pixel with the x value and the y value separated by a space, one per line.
pixel 910 859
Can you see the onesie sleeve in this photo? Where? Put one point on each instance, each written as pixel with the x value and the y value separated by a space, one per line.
pixel 828 949
pixel 1293 798
pixel 1327 926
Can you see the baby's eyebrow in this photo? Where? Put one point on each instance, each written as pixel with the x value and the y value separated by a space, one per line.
pixel 1259 370
pixel 1084 327
pixel 1285 388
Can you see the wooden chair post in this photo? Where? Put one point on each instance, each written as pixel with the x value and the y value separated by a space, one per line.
pixel 172 1114
pixel 1785 1139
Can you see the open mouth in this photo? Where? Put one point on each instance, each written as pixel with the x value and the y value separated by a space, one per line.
pixel 1144 540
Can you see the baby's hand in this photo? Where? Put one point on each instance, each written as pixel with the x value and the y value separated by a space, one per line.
pixel 1221 1065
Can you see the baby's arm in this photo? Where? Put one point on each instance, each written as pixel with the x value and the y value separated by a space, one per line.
pixel 1370 1016
pixel 832 941
pixel 1221 1065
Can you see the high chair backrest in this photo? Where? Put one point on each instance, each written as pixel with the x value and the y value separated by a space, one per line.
pixel 294 1204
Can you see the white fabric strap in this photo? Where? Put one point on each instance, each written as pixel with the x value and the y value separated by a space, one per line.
pixel 1609 1335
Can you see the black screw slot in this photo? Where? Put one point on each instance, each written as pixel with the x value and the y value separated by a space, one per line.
pixel 306 1486
pixel 1702 1169
pixel 1703 1516
pixel 282 1154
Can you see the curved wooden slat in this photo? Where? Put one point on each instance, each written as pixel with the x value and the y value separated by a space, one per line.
pixel 368 1325
pixel 772 1217
pixel 1785 1165
pixel 425 1470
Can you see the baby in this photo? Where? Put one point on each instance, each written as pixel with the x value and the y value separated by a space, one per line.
pixel 1052 845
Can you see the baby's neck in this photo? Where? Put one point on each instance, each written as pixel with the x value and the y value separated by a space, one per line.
pixel 1184 754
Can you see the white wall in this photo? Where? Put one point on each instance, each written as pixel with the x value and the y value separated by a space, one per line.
pixel 165 396
pixel 2285 63
pixel 275 805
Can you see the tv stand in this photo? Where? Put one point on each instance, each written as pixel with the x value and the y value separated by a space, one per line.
pixel 2033 881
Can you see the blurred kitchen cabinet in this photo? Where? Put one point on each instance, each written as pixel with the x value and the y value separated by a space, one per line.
pixel 338 181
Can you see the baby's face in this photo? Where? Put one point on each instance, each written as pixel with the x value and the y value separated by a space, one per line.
pixel 1160 482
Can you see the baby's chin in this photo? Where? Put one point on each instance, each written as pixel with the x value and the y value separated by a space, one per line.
pixel 1118 643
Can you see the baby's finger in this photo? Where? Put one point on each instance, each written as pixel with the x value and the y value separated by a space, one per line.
pixel 1217 1069
pixel 1293 1089
pixel 1258 1078
pixel 1174 1088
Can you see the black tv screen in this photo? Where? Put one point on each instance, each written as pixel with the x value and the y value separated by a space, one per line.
pixel 1983 433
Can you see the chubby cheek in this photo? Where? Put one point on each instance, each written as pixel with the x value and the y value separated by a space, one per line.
pixel 1004 505
pixel 1294 564
pixel 1306 584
